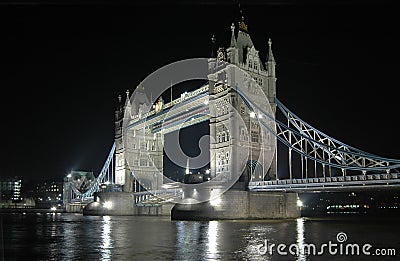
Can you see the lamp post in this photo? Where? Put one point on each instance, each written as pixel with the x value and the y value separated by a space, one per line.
pixel 252 115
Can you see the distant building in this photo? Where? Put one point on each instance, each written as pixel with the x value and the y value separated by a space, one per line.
pixel 48 191
pixel 10 189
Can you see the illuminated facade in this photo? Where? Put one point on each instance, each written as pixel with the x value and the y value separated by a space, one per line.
pixel 10 189
pixel 241 53
pixel 229 134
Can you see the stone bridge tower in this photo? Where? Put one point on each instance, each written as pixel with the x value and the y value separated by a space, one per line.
pixel 228 134
pixel 146 155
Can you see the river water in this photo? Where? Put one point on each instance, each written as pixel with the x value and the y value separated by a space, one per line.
pixel 64 236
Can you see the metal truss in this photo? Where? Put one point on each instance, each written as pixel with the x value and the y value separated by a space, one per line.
pixel 314 145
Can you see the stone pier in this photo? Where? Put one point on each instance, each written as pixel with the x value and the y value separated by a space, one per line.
pixel 233 204
pixel 122 204
pixel 236 204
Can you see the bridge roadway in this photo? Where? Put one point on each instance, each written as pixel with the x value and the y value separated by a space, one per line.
pixel 327 184
pixel 340 183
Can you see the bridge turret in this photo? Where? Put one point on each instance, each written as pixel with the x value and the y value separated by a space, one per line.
pixel 271 76
pixel 127 106
pixel 119 114
pixel 232 51
pixel 122 172
pixel 270 64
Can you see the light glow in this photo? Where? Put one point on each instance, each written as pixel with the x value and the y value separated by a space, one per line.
pixel 108 204
pixel 215 202
pixel 299 203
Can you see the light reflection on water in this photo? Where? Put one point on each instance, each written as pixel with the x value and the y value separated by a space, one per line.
pixel 77 237
pixel 106 245
pixel 300 239
pixel 212 242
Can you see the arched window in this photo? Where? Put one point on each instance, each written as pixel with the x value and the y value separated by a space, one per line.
pixel 242 109
pixel 244 54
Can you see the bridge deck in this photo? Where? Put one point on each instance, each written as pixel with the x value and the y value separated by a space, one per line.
pixel 370 181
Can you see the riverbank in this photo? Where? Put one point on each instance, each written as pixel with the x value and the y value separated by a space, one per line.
pixel 30 210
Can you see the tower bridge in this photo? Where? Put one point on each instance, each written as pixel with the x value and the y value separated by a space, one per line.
pixel 324 162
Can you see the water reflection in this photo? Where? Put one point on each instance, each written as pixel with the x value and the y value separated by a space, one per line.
pixel 106 240
pixel 256 234
pixel 300 240
pixel 70 239
pixel 77 237
pixel 187 237
pixel 212 243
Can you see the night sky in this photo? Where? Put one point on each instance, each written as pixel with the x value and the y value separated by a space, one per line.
pixel 65 62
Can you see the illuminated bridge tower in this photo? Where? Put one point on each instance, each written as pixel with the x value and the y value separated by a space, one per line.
pixel 147 146
pixel 122 172
pixel 227 133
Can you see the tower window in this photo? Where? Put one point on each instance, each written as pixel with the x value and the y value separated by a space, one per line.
pixel 251 64
pixel 254 136
pixel 244 54
pixel 242 109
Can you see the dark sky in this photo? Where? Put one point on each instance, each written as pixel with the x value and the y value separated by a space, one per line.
pixel 65 62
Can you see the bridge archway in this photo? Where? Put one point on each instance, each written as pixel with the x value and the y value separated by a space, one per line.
pixel 254 170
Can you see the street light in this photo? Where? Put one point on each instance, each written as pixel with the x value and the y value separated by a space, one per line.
pixel 252 115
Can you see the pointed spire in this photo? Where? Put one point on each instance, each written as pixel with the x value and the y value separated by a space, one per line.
pixel 118 111
pixel 270 64
pixel 233 39
pixel 242 25
pixel 127 98
pixel 270 54
pixel 213 39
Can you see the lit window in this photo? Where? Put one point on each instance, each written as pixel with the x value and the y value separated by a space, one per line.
pixel 254 136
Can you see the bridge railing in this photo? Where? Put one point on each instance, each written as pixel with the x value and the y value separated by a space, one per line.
pixel 363 181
